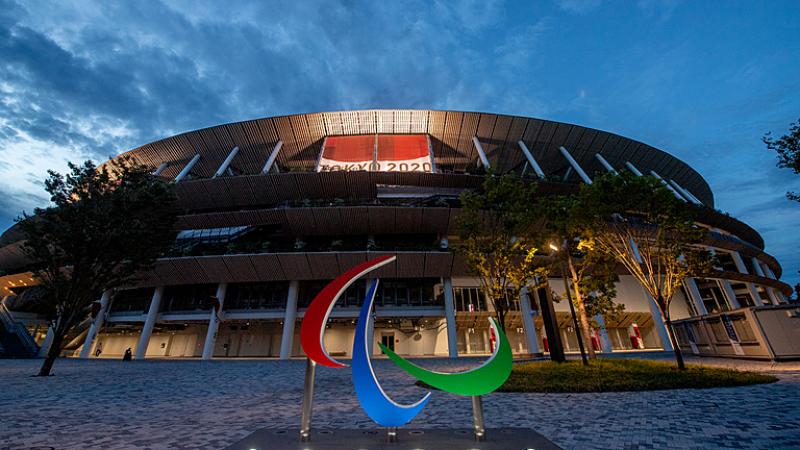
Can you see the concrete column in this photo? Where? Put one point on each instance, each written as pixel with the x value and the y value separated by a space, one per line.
pixel 531 160
pixel 728 290
pixel 149 322
pixel 160 168
pixel 450 318
pixel 528 324
pixel 213 323
pixel 187 168
pixel 467 346
pixel 271 160
pixel 633 169
pixel 487 346
pixel 605 163
pixel 695 297
pixel 770 274
pixel 605 340
pixel 774 299
pixel 668 186
pixel 88 343
pixel 575 166
pixel 565 340
pixel 289 319
pixel 225 164
pixel 46 343
pixel 751 288
pixel 658 322
pixel 481 154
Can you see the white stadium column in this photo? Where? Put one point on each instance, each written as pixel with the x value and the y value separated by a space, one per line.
pixel 658 322
pixel 737 259
pixel 727 289
pixel 289 319
pixel 605 340
pixel 160 168
pixel 225 164
pixel 770 274
pixel 46 343
pixel 605 163
pixel 531 160
pixel 213 322
pixel 695 297
pixel 575 166
pixel 685 193
pixel 149 322
pixel 450 318
pixel 760 272
pixel 187 168
pixel 271 160
pixel 97 323
pixel 667 185
pixel 633 168
pixel 481 153
pixel 528 325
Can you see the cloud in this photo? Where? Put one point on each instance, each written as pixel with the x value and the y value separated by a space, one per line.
pixel 85 81
pixel 81 81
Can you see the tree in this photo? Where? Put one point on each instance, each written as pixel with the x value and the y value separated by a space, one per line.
pixel 105 225
pixel 497 240
pixel 788 149
pixel 593 273
pixel 640 223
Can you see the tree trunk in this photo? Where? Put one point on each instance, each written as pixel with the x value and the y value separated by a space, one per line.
pixel 583 319
pixel 675 347
pixel 501 316
pixel 52 354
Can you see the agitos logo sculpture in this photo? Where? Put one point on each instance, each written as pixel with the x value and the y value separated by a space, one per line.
pixel 375 402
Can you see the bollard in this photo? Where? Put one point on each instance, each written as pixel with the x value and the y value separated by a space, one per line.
pixel 308 400
pixel 477 418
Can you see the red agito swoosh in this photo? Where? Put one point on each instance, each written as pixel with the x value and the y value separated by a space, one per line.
pixel 316 316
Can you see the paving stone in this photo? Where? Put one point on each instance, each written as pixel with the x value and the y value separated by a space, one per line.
pixel 195 404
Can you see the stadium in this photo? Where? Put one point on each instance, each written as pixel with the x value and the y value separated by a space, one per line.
pixel 275 208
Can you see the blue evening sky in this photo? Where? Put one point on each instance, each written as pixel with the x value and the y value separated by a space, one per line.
pixel 701 80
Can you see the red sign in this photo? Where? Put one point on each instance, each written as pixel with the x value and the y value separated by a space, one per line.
pixel 376 153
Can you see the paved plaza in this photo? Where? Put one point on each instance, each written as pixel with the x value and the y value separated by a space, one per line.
pixel 194 404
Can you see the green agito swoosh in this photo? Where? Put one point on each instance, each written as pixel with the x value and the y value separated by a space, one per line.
pixel 478 381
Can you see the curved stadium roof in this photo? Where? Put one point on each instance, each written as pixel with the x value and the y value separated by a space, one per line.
pixel 451 134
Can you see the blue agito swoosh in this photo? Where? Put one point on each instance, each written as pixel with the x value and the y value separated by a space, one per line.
pixel 378 406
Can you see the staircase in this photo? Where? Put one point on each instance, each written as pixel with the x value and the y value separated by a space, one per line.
pixel 15 341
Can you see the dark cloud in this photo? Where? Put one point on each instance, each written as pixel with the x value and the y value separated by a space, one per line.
pixel 85 80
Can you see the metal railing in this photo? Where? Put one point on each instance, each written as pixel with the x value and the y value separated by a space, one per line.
pixel 18 329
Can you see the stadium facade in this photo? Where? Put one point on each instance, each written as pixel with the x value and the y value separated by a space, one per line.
pixel 275 208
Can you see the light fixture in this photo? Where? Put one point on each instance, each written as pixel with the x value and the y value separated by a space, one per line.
pixel 553 247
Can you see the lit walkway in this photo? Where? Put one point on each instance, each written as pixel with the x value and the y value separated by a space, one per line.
pixel 191 404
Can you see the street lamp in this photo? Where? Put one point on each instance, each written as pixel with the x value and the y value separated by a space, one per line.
pixel 578 333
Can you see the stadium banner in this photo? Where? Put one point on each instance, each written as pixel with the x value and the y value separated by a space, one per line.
pixel 376 153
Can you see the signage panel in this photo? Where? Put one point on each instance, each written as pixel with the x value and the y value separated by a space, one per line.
pixel 376 153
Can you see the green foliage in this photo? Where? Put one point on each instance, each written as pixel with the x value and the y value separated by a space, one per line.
pixel 613 375
pixel 788 149
pixel 595 271
pixel 497 239
pixel 640 223
pixel 105 225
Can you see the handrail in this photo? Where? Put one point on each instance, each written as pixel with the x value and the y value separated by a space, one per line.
pixel 12 326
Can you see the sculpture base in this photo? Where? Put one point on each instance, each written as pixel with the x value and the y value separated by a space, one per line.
pixel 455 439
